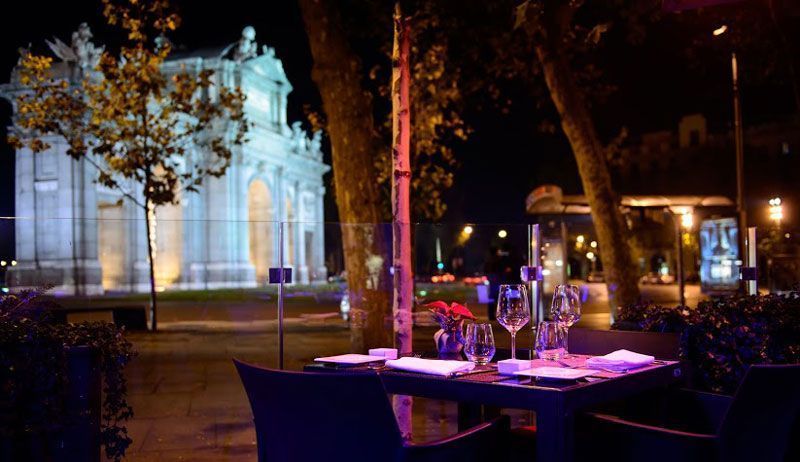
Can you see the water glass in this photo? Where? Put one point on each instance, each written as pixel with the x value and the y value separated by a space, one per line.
pixel 513 310
pixel 550 341
pixel 479 343
pixel 566 308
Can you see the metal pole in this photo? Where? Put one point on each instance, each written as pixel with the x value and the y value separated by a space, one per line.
pixel 681 284
pixel 752 282
pixel 280 299
pixel 738 138
pixel 536 284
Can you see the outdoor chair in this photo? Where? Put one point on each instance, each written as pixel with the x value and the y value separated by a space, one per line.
pixel 304 416
pixel 755 424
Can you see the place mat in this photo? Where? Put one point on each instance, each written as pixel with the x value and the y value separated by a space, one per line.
pixel 579 361
pixel 486 377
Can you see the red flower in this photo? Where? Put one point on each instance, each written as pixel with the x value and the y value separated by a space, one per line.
pixel 453 311
pixel 462 310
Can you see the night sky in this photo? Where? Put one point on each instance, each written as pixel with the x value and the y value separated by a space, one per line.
pixel 506 156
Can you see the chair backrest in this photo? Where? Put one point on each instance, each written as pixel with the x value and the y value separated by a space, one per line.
pixel 759 422
pixel 601 342
pixel 320 416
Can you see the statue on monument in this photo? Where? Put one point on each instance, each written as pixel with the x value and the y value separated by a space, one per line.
pixel 82 53
pixel 315 146
pixel 247 47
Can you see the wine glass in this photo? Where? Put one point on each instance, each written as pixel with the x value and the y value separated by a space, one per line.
pixel 550 341
pixel 513 310
pixel 566 308
pixel 479 344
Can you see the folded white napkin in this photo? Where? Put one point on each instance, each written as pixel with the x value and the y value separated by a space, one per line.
pixel 620 360
pixel 430 366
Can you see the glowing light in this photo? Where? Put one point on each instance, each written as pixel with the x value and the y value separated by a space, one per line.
pixel 720 30
pixel 502 234
pixel 593 244
pixel 13 263
pixel 590 255
pixel 4 290
pixel 3 263
pixel 687 220
pixel 468 230
pixel 423 293
pixel 545 272
pixel 776 209
pixel 580 239
pixel 559 262
pixel 787 235
pixel 440 265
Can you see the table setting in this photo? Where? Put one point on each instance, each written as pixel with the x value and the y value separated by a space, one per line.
pixel 475 341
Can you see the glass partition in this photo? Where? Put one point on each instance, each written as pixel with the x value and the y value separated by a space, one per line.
pixel 218 300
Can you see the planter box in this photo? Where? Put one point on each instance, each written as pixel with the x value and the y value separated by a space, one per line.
pixel 79 440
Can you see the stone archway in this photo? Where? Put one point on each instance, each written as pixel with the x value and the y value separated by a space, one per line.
pixel 261 223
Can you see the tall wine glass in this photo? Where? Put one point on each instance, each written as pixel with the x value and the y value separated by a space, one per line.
pixel 513 310
pixel 566 308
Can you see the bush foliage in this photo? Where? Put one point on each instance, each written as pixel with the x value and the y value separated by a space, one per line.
pixel 721 338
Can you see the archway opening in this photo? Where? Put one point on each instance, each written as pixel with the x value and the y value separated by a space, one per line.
pixel 260 217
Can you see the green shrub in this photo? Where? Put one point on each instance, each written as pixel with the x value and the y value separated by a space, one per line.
pixel 721 338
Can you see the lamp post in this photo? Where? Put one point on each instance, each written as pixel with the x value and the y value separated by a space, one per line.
pixel 685 224
pixel 738 139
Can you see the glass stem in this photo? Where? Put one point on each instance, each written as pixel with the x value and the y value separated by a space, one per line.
pixel 513 345
pixel 566 340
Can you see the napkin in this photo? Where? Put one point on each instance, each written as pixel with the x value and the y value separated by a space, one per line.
pixel 619 361
pixel 430 366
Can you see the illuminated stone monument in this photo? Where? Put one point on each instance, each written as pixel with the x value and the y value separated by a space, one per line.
pixel 88 239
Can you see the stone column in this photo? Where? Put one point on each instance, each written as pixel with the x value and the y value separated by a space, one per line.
pixel 319 236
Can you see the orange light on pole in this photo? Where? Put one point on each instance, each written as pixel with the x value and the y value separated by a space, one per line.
pixel 776 210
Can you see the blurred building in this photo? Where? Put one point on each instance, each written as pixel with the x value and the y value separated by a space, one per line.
pixel 87 239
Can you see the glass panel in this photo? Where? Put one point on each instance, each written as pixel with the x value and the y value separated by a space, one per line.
pixel 214 304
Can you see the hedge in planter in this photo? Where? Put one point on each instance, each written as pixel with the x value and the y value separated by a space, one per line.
pixel 723 337
pixel 34 375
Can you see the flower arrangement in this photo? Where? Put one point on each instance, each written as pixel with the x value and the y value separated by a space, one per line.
pixel 450 316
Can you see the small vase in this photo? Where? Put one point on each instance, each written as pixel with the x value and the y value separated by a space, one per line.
pixel 450 342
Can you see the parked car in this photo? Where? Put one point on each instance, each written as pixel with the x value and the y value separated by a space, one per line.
pixel 596 276
pixel 657 278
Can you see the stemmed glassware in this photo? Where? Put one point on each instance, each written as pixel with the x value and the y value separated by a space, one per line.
pixel 513 310
pixel 566 309
pixel 479 344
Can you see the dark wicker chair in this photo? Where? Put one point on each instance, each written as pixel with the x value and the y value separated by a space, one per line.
pixel 305 416
pixel 755 424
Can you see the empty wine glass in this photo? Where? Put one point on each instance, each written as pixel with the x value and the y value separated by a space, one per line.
pixel 550 341
pixel 566 308
pixel 479 344
pixel 513 310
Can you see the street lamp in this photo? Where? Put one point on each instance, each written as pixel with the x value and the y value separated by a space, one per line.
pixel 739 142
pixel 502 234
pixel 683 225
pixel 776 210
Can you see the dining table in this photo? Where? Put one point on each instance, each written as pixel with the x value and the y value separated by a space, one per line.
pixel 555 402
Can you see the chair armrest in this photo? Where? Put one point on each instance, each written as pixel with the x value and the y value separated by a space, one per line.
pixel 637 441
pixel 482 442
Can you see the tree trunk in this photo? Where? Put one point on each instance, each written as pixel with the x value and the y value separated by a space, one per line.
pixel 612 231
pixel 354 144
pixel 402 303
pixel 149 223
pixel 401 179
